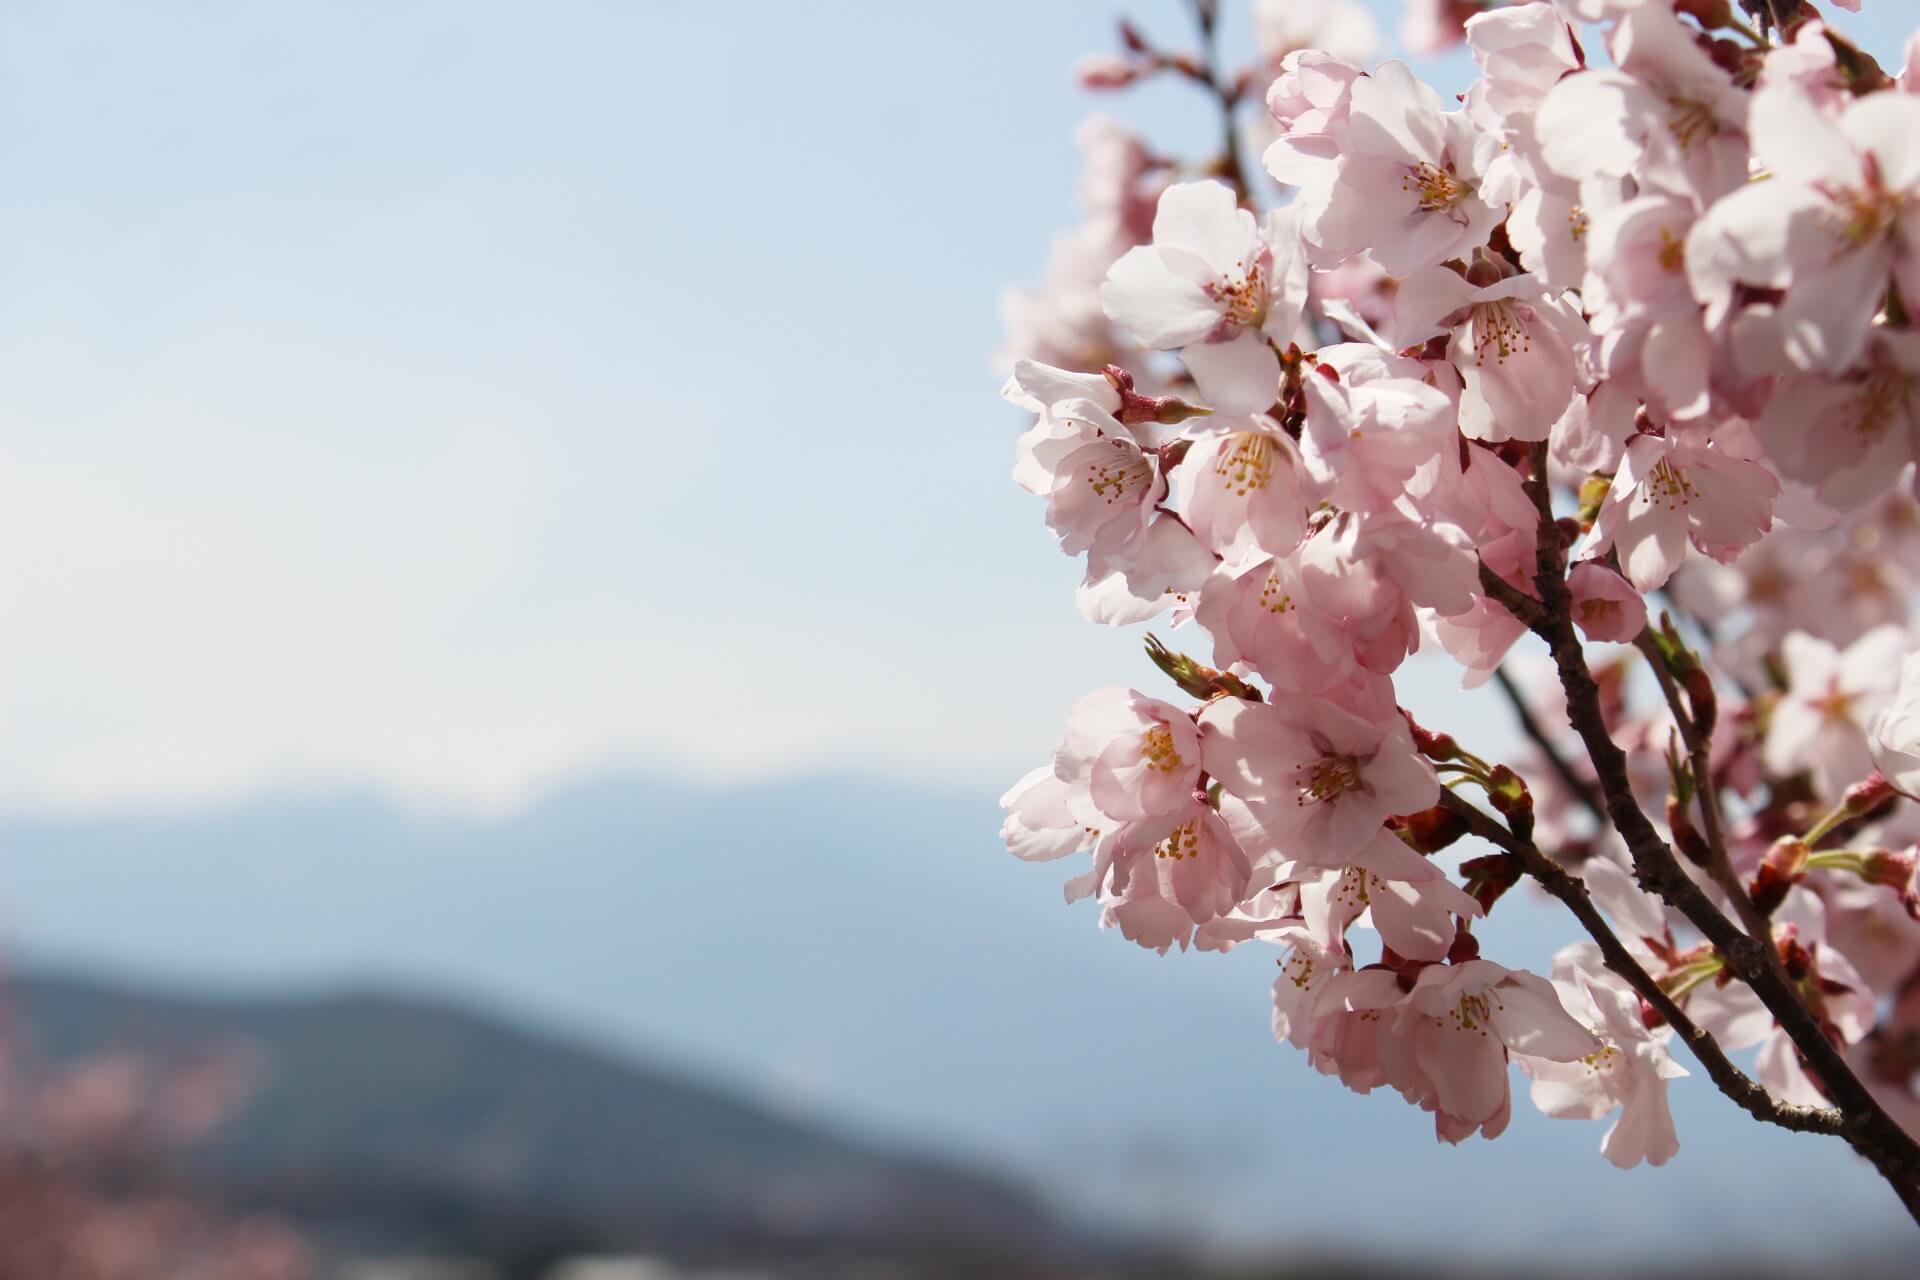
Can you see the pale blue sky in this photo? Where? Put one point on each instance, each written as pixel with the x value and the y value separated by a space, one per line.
pixel 460 395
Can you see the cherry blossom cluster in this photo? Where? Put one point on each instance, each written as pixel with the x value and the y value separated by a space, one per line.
pixel 1600 381
pixel 88 1184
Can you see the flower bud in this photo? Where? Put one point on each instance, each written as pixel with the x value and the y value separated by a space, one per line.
pixel 1488 878
pixel 1896 870
pixel 1509 794
pixel 1867 795
pixel 1106 71
pixel 1430 830
pixel 1196 679
pixel 1135 409
pixel 1782 867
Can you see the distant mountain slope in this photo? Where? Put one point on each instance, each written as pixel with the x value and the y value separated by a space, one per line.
pixel 404 1121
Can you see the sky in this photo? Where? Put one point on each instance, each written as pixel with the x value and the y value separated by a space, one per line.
pixel 460 401
pixel 458 396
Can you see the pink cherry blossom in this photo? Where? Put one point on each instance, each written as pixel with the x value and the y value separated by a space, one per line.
pixel 1666 112
pixel 1216 286
pixel 1244 490
pixel 1630 1070
pixel 1409 901
pixel 1310 100
pixel 1328 778
pixel 1405 188
pixel 1605 605
pixel 1832 696
pixel 1655 279
pixel 1186 859
pixel 1142 755
pixel 1462 1021
pixel 1672 491
pixel 1371 427
pixel 1849 434
pixel 1513 346
pixel 1835 221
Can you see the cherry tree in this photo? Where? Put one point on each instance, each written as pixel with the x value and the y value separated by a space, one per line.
pixel 1601 380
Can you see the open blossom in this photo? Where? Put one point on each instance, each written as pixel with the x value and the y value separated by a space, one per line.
pixel 1665 112
pixel 1186 861
pixel 1629 1071
pixel 1323 779
pixel 1405 189
pixel 1834 222
pixel 1141 755
pixel 1832 696
pixel 1656 338
pixel 1409 901
pixel 1605 605
pixel 1370 426
pixel 1672 491
pixel 1216 286
pixel 1849 433
pixel 1244 489
pixel 1513 346
pixel 1444 1045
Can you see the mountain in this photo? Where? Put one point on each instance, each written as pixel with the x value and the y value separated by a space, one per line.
pixel 399 1123
pixel 862 954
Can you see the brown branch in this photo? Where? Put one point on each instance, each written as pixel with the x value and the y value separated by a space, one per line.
pixel 1572 891
pixel 1562 768
pixel 1867 1127
pixel 1699 746
pixel 1511 598
pixel 1206 15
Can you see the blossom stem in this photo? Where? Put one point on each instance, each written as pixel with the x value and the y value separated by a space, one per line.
pixel 1825 827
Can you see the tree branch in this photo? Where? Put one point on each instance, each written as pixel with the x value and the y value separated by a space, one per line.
pixel 1867 1127
pixel 1572 891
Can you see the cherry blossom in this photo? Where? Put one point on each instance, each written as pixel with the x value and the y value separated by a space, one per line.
pixel 1405 188
pixel 1834 222
pixel 1832 695
pixel 1325 778
pixel 1672 491
pixel 1218 288
pixel 1629 1071
pixel 1513 346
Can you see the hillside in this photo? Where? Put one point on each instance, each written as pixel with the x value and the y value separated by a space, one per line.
pixel 405 1123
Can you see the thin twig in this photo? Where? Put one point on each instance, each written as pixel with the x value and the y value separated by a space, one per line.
pixel 1206 15
pixel 1581 788
pixel 1699 748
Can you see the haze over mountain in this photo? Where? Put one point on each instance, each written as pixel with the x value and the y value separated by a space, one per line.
pixel 865 952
